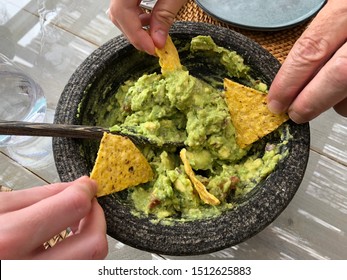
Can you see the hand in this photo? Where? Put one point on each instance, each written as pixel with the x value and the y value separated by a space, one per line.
pixel 130 19
pixel 31 217
pixel 313 78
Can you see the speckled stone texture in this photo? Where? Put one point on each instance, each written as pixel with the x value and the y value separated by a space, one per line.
pixel 254 213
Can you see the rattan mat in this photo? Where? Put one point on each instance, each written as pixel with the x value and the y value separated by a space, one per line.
pixel 278 43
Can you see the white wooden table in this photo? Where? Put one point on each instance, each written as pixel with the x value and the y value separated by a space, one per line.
pixel 50 38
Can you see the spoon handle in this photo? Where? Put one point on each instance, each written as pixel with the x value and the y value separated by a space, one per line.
pixel 52 130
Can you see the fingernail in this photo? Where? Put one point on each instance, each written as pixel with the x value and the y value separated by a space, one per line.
pixel 276 107
pixel 159 37
pixel 94 185
pixel 295 117
pixel 91 183
pixel 149 50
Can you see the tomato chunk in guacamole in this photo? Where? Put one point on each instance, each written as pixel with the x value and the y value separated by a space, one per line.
pixel 181 108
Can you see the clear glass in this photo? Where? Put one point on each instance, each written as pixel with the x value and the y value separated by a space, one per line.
pixel 21 98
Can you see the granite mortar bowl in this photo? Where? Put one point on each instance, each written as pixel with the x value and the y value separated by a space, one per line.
pixel 117 61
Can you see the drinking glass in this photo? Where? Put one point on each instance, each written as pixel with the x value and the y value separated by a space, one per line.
pixel 21 98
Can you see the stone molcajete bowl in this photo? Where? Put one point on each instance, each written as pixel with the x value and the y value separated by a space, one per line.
pixel 117 61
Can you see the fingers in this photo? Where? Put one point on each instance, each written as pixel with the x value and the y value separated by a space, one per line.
pixel 163 16
pixel 47 217
pixel 126 15
pixel 88 243
pixel 130 19
pixel 11 201
pixel 307 63
pixel 328 88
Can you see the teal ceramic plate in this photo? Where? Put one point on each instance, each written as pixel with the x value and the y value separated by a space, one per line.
pixel 262 14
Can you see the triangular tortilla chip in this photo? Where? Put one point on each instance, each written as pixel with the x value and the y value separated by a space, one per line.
pixel 249 113
pixel 168 57
pixel 119 165
pixel 205 196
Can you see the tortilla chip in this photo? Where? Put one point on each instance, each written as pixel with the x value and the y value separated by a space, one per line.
pixel 200 188
pixel 249 113
pixel 168 57
pixel 119 165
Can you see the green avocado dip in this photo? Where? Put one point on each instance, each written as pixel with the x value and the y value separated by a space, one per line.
pixel 181 108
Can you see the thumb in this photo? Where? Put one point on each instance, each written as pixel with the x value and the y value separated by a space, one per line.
pixel 163 15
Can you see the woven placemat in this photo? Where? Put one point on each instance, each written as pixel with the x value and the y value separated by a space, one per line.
pixel 278 43
pixel 5 189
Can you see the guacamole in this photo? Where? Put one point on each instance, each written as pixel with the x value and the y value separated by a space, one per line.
pixel 178 107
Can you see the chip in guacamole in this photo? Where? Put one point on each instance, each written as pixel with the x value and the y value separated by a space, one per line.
pixel 249 113
pixel 119 165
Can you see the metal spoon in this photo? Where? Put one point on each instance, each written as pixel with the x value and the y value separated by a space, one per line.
pixel 73 131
